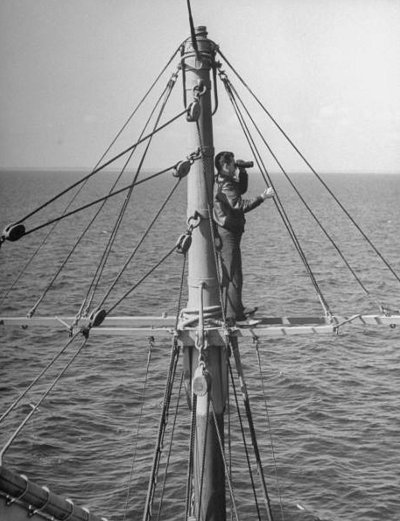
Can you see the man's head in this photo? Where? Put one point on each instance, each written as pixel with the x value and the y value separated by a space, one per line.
pixel 225 163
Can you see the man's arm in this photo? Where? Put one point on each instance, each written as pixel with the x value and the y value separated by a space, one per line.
pixel 243 182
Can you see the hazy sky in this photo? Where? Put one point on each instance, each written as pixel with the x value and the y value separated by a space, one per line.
pixel 328 70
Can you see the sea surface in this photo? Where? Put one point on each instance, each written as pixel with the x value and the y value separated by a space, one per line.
pixel 328 404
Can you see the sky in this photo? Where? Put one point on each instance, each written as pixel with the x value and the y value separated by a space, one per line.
pixel 328 71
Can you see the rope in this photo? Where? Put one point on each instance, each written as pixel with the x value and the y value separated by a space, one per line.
pixel 85 181
pixel 161 430
pixel 96 278
pixel 139 104
pixel 282 212
pixel 151 346
pixel 147 231
pixel 56 357
pixel 178 400
pixel 142 279
pixel 221 447
pixel 35 253
pixel 189 477
pixel 44 396
pixel 108 248
pixel 290 141
pixel 101 199
pixel 87 178
pixel 86 229
pixel 246 450
pixel 98 168
pixel 166 93
pixel 352 271
pixel 257 344
pixel 170 448
pixel 101 168
pixel 229 431
pixel 246 401
pixel 181 286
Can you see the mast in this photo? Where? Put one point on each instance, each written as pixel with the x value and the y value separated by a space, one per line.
pixel 205 363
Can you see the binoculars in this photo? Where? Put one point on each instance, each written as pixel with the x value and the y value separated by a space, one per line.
pixel 243 164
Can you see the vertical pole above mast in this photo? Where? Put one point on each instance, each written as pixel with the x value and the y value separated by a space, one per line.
pixel 204 363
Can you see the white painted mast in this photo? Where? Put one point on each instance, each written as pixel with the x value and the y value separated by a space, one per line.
pixel 205 362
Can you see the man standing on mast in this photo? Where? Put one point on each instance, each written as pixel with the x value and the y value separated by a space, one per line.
pixel 229 210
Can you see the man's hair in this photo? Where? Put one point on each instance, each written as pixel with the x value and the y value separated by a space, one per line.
pixel 221 158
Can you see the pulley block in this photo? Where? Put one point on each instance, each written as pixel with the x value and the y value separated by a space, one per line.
pixel 13 232
pixel 182 169
pixel 201 383
pixel 193 111
pixel 97 317
pixel 184 242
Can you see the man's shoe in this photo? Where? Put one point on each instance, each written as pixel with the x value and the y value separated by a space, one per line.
pixel 249 322
pixel 249 311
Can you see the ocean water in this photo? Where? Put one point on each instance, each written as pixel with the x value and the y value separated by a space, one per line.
pixel 329 404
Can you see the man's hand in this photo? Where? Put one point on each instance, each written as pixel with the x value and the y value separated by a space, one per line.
pixel 268 193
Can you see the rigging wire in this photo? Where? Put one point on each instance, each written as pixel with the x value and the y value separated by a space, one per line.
pixel 189 475
pixel 221 448
pixel 170 448
pixel 309 209
pixel 246 401
pixel 229 425
pixel 140 103
pixel 29 387
pixel 290 141
pixel 281 210
pixel 305 203
pixel 132 288
pixel 102 264
pixel 145 234
pixel 179 115
pixel 107 251
pixel 111 239
pixel 266 408
pixel 36 252
pixel 85 180
pixel 44 396
pixel 246 450
pixel 181 287
pixel 101 167
pixel 125 204
pixel 103 200
pixel 161 429
pixel 139 422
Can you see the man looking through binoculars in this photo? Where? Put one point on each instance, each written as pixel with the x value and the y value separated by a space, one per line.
pixel 229 210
